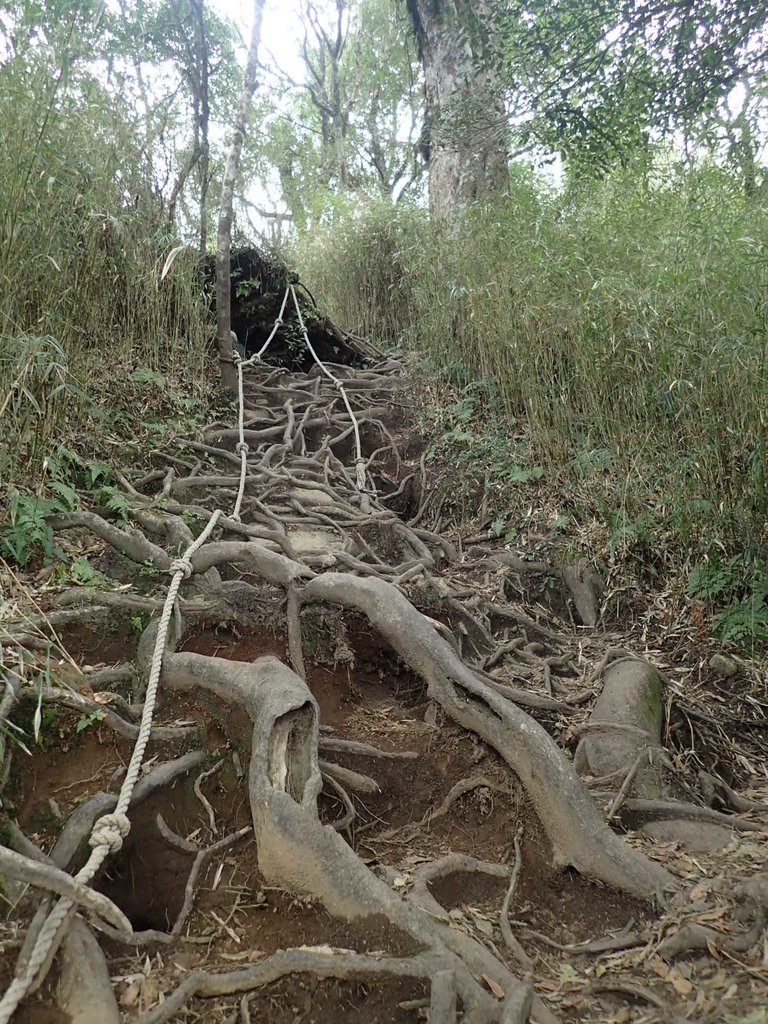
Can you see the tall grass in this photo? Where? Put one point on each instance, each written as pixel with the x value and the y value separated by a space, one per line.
pixel 626 325
pixel 82 244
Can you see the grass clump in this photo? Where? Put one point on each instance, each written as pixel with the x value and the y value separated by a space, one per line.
pixel 83 239
pixel 624 325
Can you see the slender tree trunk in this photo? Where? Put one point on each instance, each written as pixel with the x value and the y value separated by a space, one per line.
pixel 224 234
pixel 466 130
pixel 198 6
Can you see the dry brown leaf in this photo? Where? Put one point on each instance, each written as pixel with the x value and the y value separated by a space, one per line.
pixel 700 889
pixel 681 985
pixel 713 915
pixel 245 954
pixel 658 966
pixel 713 949
pixel 150 990
pixel 131 994
pixel 494 986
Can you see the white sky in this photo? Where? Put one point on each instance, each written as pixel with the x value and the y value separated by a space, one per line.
pixel 280 29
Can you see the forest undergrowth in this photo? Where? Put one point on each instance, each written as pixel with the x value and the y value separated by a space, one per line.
pixel 467 724
pixel 388 775
pixel 612 341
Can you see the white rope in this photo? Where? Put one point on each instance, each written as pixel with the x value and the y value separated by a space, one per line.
pixel 359 460
pixel 111 829
pixel 242 447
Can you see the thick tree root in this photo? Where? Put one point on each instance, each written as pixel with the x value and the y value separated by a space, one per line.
pixel 632 696
pixel 578 833
pixel 52 879
pixel 294 849
pixel 85 991
pixel 304 513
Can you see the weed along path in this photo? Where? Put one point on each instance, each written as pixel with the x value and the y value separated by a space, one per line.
pixel 348 768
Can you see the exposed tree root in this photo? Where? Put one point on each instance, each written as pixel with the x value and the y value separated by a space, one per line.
pixel 578 834
pixel 200 858
pixel 650 810
pixel 630 712
pixel 294 849
pixel 311 531
pixel 461 788
pixel 323 963
pixel 85 991
pixel 52 879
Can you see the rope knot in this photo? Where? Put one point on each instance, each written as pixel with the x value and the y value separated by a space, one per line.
pixel 236 357
pixel 242 447
pixel 181 565
pixel 110 831
pixel 339 383
pixel 279 322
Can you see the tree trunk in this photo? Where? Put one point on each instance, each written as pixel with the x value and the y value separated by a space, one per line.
pixel 465 138
pixel 224 234
pixel 203 119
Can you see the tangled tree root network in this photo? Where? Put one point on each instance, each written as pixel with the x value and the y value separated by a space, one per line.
pixel 327 529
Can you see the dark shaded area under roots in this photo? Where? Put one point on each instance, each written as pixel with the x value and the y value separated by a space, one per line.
pixel 258 283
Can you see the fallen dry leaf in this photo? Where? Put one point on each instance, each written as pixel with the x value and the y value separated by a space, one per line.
pixel 681 985
pixel 494 986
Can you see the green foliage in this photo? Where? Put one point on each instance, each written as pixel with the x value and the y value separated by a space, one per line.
pixel 143 375
pixel 350 132
pixel 115 502
pixel 740 588
pixel 632 539
pixel 139 623
pixel 625 327
pixel 596 81
pixel 83 233
pixel 27 533
pixel 86 721
pixel 81 571
pixel 44 721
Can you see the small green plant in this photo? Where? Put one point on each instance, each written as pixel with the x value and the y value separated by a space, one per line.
pixel 27 534
pixel 632 538
pixel 96 471
pixel 501 527
pixel 116 502
pixel 139 623
pixel 86 721
pixel 44 721
pixel 740 589
pixel 192 517
pixel 515 474
pixel 143 375
pixel 81 571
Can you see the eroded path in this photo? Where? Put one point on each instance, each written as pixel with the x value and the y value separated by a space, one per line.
pixel 355 805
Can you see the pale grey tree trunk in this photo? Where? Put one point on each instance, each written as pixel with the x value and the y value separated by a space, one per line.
pixel 224 234
pixel 466 129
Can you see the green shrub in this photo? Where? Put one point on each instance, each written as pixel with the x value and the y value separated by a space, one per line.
pixel 625 324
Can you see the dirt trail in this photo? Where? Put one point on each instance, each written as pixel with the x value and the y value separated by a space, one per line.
pixel 357 806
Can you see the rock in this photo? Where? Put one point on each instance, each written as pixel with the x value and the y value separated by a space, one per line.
pixel 311 496
pixel 696 836
pixel 723 666
pixel 314 540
